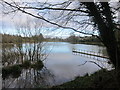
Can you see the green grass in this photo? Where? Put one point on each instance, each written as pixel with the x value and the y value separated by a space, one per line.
pixel 100 79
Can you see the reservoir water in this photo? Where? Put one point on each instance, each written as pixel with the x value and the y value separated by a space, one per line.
pixel 61 65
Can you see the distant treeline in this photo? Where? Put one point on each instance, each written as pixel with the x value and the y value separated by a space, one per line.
pixel 75 39
pixel 82 39
pixel 90 39
pixel 6 38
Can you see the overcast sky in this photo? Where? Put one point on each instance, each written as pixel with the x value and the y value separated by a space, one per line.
pixel 10 22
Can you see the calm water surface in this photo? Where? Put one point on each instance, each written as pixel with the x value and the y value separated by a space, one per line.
pixel 61 66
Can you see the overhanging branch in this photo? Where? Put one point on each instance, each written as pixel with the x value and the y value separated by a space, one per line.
pixel 39 17
pixel 92 62
pixel 53 23
pixel 63 9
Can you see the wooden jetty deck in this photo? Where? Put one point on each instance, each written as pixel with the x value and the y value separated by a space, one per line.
pixel 91 54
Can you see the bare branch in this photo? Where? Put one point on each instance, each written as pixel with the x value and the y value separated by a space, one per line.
pixel 63 9
pixel 91 62
pixel 40 17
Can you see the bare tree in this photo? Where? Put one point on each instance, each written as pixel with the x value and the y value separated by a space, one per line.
pixel 32 48
pixel 82 17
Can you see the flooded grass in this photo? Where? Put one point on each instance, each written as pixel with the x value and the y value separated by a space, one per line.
pixel 15 70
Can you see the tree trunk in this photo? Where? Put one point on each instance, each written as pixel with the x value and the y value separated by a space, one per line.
pixel 106 33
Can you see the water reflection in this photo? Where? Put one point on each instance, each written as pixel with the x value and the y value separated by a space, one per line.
pixel 60 66
pixel 30 78
pixel 66 67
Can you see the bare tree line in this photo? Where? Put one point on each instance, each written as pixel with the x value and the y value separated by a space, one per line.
pixel 23 51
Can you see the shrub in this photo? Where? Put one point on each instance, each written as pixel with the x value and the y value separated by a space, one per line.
pixel 14 70
pixel 38 65
pixel 5 72
pixel 26 64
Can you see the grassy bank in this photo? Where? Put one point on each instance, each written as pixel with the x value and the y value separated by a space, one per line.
pixel 100 79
